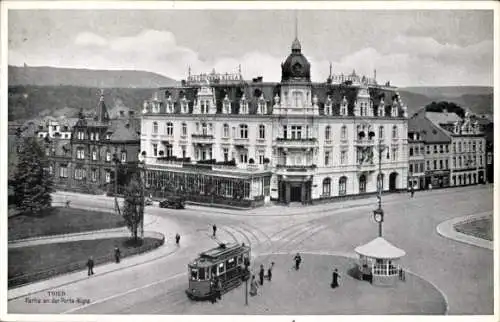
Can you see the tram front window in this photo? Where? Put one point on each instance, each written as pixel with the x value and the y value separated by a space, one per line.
pixel 194 274
pixel 201 273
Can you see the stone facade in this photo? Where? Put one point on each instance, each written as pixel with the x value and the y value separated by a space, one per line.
pixel 307 141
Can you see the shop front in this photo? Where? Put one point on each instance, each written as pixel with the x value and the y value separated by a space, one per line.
pixel 437 179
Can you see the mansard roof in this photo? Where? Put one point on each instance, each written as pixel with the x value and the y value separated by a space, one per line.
pixel 254 90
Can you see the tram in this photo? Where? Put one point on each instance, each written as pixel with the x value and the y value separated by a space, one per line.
pixel 226 262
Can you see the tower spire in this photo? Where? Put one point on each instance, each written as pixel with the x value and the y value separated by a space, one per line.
pixel 296 26
pixel 296 47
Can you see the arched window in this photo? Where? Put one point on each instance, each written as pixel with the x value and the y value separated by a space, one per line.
pixel 381 132
pixel 225 132
pixel 342 186
pixel 343 132
pixel 262 131
pixel 327 187
pixel 184 129
pixel 328 133
pixel 394 132
pixel 297 99
pixel 155 127
pixel 362 184
pixel 170 129
pixel 243 131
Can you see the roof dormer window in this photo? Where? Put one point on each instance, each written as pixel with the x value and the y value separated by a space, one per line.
pixel 261 105
pixel 343 107
pixel 328 106
pixel 243 105
pixel 170 105
pixel 226 105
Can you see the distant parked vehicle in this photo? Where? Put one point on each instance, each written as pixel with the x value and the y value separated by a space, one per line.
pixel 173 202
pixel 148 202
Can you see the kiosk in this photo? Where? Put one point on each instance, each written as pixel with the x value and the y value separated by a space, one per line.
pixel 378 262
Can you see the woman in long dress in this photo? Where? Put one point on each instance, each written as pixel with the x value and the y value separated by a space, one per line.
pixel 253 286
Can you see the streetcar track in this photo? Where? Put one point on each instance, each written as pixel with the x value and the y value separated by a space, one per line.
pixel 249 231
pixel 244 236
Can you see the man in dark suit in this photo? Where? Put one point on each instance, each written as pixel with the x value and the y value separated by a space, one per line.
pixel 90 266
pixel 335 278
pixel 261 274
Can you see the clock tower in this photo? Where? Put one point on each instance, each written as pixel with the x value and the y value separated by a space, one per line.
pixel 296 94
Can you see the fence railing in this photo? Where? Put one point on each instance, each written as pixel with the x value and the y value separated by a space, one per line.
pixel 22 279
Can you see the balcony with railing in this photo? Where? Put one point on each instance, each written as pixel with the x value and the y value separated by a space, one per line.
pixel 291 169
pixel 202 138
pixel 301 143
pixel 241 167
pixel 365 142
pixel 366 166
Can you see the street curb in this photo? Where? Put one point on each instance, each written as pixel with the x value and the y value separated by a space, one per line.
pixel 85 233
pixel 446 229
pixel 102 274
pixel 353 256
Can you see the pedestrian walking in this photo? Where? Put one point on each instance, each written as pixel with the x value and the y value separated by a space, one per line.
pixel 213 293
pixel 335 279
pixel 218 288
pixel 261 274
pixel 412 191
pixel 117 254
pixel 90 266
pixel 253 286
pixel 270 271
pixel 177 239
pixel 214 229
pixel 430 186
pixel 298 260
pixel 67 203
pixel 402 276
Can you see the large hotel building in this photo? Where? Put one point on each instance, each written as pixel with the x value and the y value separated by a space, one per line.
pixel 222 139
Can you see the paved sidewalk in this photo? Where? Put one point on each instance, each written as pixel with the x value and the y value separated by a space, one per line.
pixel 162 225
pixel 447 230
pixel 295 210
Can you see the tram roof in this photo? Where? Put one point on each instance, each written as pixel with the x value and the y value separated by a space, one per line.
pixel 219 252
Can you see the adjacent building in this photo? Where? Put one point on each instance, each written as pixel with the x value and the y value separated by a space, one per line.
pixel 454 148
pixel 223 139
pixel 416 159
pixel 86 159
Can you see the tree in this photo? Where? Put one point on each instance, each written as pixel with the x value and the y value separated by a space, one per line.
pixel 133 210
pixel 449 106
pixel 32 182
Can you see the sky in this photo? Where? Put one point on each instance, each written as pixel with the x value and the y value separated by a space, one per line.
pixel 407 48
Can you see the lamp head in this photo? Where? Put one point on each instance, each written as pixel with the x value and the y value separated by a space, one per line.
pixel 378 215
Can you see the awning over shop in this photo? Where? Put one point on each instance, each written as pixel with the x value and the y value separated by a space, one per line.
pixel 380 248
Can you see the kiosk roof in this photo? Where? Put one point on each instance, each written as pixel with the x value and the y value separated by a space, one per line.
pixel 380 248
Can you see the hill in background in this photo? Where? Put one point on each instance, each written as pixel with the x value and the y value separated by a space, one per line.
pixel 41 91
pixel 51 76
pixel 477 99
pixel 28 102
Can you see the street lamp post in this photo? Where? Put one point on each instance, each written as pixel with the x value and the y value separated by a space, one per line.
pixel 246 291
pixel 378 214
